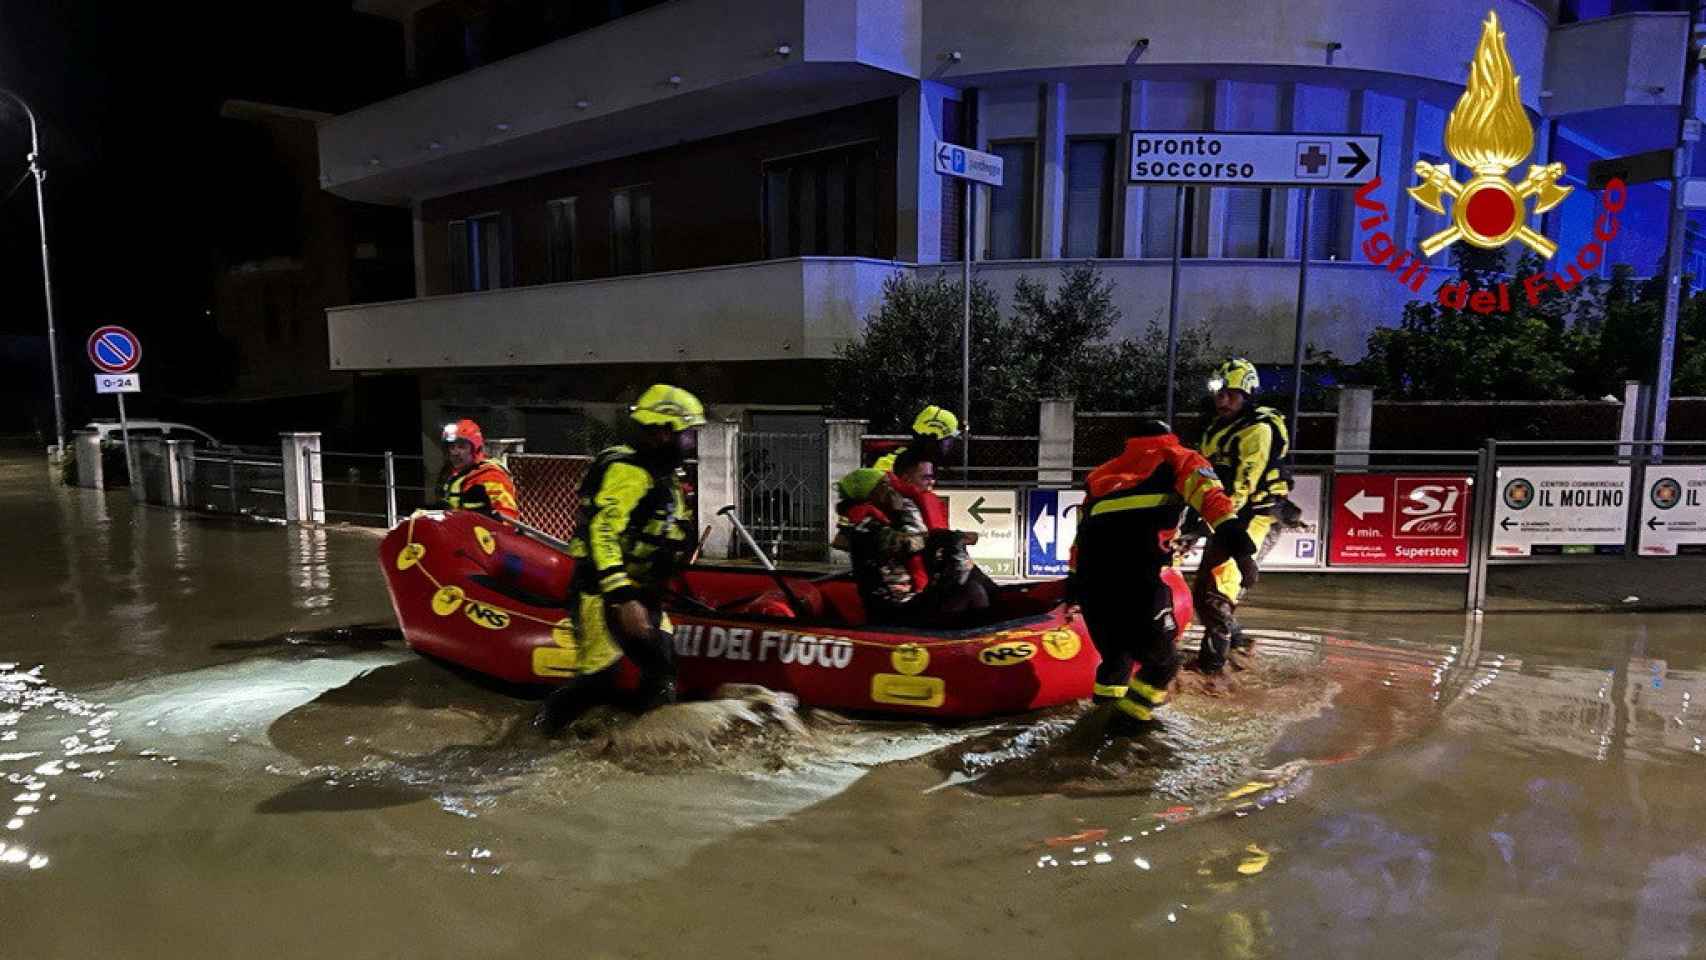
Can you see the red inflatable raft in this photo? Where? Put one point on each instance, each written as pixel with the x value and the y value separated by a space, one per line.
pixel 476 592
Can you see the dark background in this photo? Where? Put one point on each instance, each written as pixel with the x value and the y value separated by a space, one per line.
pixel 147 195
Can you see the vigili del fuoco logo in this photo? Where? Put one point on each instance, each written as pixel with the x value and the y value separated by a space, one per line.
pixel 1489 133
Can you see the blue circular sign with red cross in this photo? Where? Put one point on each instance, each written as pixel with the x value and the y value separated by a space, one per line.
pixel 115 349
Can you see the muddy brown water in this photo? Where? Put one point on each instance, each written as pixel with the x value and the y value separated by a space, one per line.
pixel 213 745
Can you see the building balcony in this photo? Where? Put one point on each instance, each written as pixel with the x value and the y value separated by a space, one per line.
pixel 677 72
pixel 1400 37
pixel 803 309
pixel 1634 59
pixel 773 310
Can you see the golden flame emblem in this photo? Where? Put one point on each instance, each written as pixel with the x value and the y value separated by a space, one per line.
pixel 1489 133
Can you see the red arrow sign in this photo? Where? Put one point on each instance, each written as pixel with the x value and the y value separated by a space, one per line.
pixel 1387 519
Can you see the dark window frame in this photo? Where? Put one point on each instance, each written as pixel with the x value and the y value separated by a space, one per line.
pixel 859 238
pixel 1034 241
pixel 1110 184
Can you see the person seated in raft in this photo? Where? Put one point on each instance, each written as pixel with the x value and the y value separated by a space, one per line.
pixel 475 481
pixel 907 571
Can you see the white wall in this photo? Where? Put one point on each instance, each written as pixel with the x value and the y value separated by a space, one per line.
pixel 1614 61
pixel 1434 41
pixel 776 310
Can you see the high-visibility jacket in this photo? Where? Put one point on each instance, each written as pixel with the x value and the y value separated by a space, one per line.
pixel 633 528
pixel 1248 454
pixel 494 477
pixel 1132 509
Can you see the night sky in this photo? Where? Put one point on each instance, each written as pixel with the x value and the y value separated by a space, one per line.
pixel 128 97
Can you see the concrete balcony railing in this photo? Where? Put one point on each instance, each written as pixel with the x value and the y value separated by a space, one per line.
pixel 1433 41
pixel 1630 60
pixel 774 310
pixel 680 71
pixel 1248 306
pixel 805 308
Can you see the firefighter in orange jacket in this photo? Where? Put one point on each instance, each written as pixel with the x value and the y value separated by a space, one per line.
pixel 1132 509
pixel 475 482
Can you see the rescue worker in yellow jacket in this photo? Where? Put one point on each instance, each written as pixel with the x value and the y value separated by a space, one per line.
pixel 632 532
pixel 474 481
pixel 933 432
pixel 1247 445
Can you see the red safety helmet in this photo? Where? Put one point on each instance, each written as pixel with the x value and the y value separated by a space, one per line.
pixel 465 430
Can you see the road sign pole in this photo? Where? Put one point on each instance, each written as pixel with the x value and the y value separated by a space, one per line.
pixel 1687 131
pixel 965 331
pixel 1173 298
pixel 1297 337
pixel 124 431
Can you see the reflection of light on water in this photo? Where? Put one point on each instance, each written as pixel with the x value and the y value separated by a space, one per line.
pixel 310 569
pixel 22 693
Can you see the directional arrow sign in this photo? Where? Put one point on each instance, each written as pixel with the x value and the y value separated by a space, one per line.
pixel 978 511
pixel 1506 523
pixel 1043 529
pixel 1249 159
pixel 1362 504
pixel 954 160
pixel 1653 523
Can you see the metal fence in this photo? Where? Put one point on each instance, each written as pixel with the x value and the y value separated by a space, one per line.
pixel 783 484
pixel 548 486
pixel 369 487
pixel 232 481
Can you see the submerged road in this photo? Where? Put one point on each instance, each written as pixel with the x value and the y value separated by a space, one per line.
pixel 212 744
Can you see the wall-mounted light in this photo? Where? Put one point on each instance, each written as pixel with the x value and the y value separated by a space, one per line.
pixel 1654 88
pixel 373 161
pixel 435 145
pixel 675 79
pixel 1333 46
pixel 582 104
pixel 1138 47
pixel 953 56
pixel 783 49
pixel 500 127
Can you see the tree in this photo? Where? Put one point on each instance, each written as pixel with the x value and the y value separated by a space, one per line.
pixel 1442 353
pixel 1056 344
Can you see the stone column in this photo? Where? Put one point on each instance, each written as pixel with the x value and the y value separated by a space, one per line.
pixel 1355 426
pixel 1629 430
pixel 304 494
pixel 717 486
pixel 1051 159
pixel 845 452
pixel 90 472
pixel 1056 422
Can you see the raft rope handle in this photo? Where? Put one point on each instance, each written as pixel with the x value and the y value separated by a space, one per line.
pixel 856 641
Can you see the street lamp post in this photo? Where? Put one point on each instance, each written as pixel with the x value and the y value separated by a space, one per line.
pixel 46 277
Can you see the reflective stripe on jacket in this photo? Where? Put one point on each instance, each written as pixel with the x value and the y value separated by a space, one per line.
pixel 500 487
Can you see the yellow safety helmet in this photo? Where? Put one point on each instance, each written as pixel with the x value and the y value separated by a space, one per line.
pixel 1236 374
pixel 934 421
pixel 665 406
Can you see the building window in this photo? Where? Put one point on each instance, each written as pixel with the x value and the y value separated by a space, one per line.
pixel 1158 222
pixel 1327 234
pixel 1089 197
pixel 1248 222
pixel 822 204
pixel 1012 231
pixel 631 231
pixel 478 253
pixel 560 225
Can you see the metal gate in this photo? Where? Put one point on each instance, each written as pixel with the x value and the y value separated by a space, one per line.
pixel 784 492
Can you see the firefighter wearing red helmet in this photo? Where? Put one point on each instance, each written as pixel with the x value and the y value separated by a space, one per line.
pixel 474 481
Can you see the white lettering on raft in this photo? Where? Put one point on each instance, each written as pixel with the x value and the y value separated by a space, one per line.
pixel 738 643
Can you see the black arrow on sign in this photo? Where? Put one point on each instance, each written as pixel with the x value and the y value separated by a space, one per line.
pixel 1505 523
pixel 1653 523
pixel 944 157
pixel 1357 162
pixel 977 510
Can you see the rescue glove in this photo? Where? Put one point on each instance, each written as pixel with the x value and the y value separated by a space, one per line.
pixel 1233 536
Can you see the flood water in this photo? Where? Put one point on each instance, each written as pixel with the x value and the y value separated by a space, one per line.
pixel 212 745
